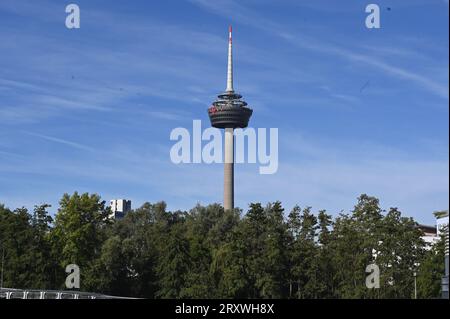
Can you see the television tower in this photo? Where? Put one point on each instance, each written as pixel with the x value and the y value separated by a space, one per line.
pixel 229 112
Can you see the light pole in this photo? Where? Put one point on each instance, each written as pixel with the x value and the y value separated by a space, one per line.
pixel 415 285
pixel 3 262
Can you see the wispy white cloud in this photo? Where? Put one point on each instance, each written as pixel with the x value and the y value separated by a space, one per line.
pixel 420 80
pixel 169 72
pixel 320 173
pixel 229 8
pixel 62 141
pixel 11 155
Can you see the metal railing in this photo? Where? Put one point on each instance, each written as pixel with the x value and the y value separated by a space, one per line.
pixel 10 293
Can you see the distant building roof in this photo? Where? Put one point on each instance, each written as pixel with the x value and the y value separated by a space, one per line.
pixel 441 214
pixel 426 229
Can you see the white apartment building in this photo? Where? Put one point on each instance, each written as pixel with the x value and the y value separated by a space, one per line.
pixel 119 208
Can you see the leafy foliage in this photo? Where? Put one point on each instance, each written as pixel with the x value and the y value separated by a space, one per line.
pixel 211 253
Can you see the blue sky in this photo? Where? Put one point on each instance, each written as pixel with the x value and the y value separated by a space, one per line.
pixel 358 110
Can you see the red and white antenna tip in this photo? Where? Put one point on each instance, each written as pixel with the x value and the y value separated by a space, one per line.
pixel 231 29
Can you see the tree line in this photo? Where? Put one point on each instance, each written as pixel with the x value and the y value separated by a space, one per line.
pixel 211 253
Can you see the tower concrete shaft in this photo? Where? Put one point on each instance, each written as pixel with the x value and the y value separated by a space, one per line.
pixel 228 190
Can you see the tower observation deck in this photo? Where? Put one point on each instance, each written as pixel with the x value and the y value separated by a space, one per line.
pixel 228 112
